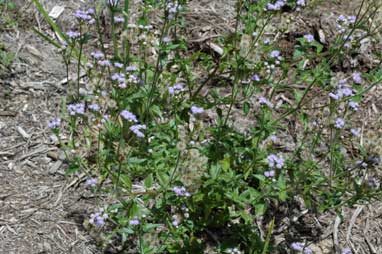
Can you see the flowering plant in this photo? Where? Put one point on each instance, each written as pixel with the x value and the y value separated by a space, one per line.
pixel 182 170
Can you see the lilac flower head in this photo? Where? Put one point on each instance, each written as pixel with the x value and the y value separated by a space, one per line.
pixel 353 105
pixel 94 107
pixel 177 88
pixel 83 15
pixel 166 39
pixel 73 34
pixel 136 129
pixel 355 132
pixel 275 161
pixel 301 2
pixel 270 173
pixel 54 123
pixel 256 78
pixel 119 19
pixel 117 76
pixel 265 101
pixel 134 221
pixel 97 55
pixel 127 115
pixel 98 218
pixel 90 11
pixel 373 182
pixel 275 54
pixel 181 191
pixel 339 123
pixel 309 37
pixel 297 246
pixel 352 19
pixel 341 18
pixel 131 68
pixel 346 251
pixel 76 109
pixel 357 78
pixel 118 65
pixel 91 182
pixel 196 110
pixel 104 63
pixel 276 6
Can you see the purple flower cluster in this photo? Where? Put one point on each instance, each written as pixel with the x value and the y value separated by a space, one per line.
pixel 118 76
pixel 76 109
pixel 98 218
pixel 177 88
pixel 133 79
pixel 275 54
pixel 94 107
pixel 166 39
pixel 343 90
pixel 353 105
pixel 346 251
pixel 128 116
pixel 118 65
pixel 97 55
pixel 270 173
pixel 92 182
pixel 136 129
pixel 104 63
pixel 255 77
pixel 355 132
pixel 275 161
pixel 309 37
pixel 54 123
pixel 344 21
pixel 276 6
pixel 119 19
pixel 172 8
pixel 84 15
pixel 134 222
pixel 181 191
pixel 301 2
pixel 357 78
pixel 301 247
pixel 73 34
pixel 265 101
pixel 339 123
pixel 196 110
pixel 131 68
pixel 373 182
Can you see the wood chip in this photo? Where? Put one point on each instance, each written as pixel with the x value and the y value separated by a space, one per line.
pixel 56 11
pixel 352 221
pixel 22 132
pixel 215 48
pixel 8 113
pixel 55 167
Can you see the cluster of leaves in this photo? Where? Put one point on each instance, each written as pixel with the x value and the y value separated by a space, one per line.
pixel 181 183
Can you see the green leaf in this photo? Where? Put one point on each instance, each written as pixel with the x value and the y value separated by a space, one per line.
pixel 148 182
pixel 163 179
pixel 126 181
pixel 246 107
pixel 149 227
pixel 259 209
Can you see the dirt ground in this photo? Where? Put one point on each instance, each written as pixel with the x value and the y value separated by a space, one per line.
pixel 42 211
